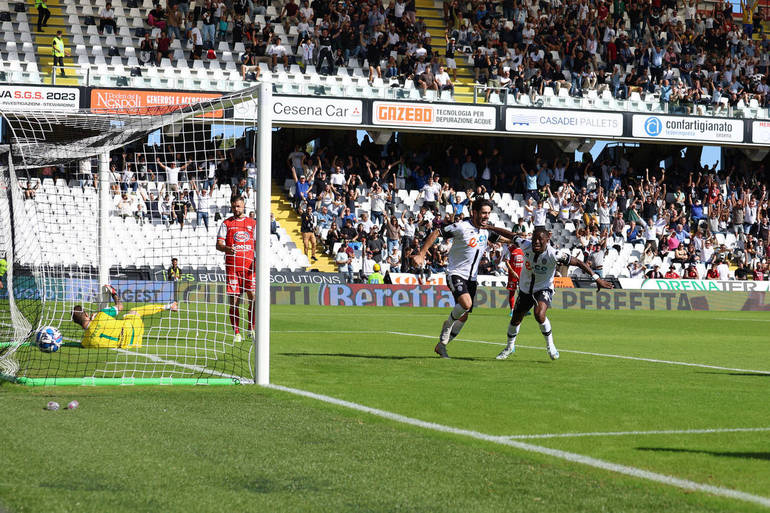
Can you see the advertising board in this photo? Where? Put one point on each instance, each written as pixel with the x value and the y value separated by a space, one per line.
pixel 760 132
pixel 434 115
pixel 147 102
pixel 301 109
pixel 15 98
pixel 682 128
pixel 695 285
pixel 564 122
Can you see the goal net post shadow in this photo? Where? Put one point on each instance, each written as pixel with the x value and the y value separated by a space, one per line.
pixel 110 196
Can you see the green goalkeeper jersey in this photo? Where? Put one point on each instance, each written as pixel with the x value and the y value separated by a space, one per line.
pixel 3 266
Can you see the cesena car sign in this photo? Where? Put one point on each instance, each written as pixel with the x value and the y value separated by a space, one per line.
pixel 691 129
pixel 434 115
pixel 307 110
pixel 564 122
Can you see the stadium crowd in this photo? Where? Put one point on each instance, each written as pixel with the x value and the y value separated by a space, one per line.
pixel 700 221
pixel 684 56
pixel 667 47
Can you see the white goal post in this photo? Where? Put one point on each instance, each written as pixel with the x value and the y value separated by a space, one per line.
pixel 110 196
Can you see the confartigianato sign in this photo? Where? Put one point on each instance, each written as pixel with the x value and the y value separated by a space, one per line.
pixel 653 127
pixel 564 122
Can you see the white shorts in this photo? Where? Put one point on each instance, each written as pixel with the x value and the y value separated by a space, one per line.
pixel 450 63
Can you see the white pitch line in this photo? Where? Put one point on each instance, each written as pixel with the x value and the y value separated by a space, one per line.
pixel 605 355
pixel 198 368
pixel 328 331
pixel 741 320
pixel 563 455
pixel 655 432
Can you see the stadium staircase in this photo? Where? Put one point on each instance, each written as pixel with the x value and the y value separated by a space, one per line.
pixel 43 40
pixel 289 220
pixel 432 13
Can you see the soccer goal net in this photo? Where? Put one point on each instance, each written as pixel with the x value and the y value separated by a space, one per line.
pixel 133 198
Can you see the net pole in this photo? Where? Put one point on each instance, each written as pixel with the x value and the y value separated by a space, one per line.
pixel 104 213
pixel 264 166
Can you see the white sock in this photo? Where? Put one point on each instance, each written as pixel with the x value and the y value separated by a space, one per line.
pixel 512 332
pixel 545 329
pixel 456 327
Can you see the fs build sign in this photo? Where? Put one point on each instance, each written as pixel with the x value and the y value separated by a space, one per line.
pixel 689 129
pixel 435 115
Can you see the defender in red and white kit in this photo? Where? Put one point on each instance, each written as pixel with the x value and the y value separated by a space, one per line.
pixel 236 239
pixel 514 262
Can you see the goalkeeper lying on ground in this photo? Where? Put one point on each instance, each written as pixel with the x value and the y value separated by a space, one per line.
pixel 103 329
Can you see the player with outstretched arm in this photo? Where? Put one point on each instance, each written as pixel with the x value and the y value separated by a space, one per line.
pixel 536 284
pixel 104 329
pixel 469 243
pixel 236 239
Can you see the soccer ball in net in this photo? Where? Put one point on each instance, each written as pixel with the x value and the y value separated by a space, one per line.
pixel 48 339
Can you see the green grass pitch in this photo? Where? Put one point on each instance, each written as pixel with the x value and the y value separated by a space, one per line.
pixel 247 448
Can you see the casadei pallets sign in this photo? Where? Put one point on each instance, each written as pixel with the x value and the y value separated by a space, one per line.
pixel 564 122
pixel 434 115
pixel 15 98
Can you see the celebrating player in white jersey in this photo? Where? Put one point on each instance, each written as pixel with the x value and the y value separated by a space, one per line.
pixel 536 284
pixel 469 242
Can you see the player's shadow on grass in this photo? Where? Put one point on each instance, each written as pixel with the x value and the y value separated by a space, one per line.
pixel 379 356
pixel 729 454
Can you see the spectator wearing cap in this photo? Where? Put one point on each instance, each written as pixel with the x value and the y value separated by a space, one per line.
pixel 376 277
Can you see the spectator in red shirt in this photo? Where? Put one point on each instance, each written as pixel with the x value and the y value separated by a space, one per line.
pixel 691 273
pixel 712 273
pixel 759 274
pixel 671 275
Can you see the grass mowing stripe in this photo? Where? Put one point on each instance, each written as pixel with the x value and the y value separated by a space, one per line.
pixel 198 368
pixel 740 320
pixel 589 353
pixel 655 432
pixel 563 455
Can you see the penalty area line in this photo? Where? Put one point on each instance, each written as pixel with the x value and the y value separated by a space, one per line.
pixel 641 433
pixel 198 368
pixel 604 355
pixel 635 472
